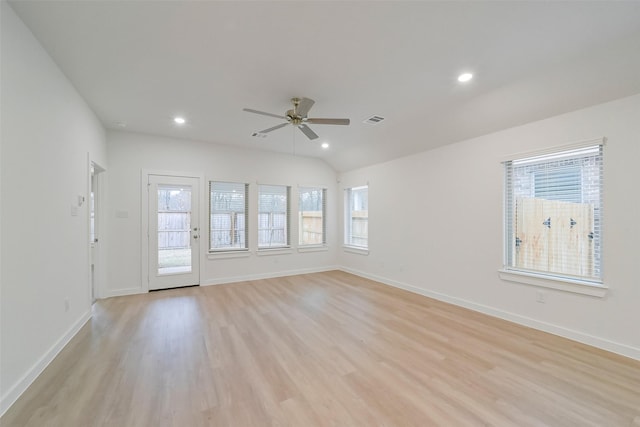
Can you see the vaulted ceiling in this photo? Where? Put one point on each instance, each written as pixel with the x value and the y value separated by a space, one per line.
pixel 140 63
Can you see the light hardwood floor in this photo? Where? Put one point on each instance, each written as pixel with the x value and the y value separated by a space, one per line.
pixel 326 349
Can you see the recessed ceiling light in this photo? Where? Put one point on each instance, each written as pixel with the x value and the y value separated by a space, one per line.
pixel 465 77
pixel 325 145
pixel 179 120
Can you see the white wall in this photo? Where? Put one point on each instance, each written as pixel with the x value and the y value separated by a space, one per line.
pixel 47 134
pixel 131 153
pixel 435 226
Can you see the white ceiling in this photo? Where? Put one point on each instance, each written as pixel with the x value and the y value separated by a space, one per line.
pixel 142 62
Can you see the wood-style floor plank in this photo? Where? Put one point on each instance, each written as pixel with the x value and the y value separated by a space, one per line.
pixel 325 349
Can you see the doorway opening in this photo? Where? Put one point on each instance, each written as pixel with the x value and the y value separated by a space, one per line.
pixel 95 228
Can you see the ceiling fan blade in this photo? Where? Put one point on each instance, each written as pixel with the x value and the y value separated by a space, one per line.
pixel 329 121
pixel 274 128
pixel 304 106
pixel 249 110
pixel 307 131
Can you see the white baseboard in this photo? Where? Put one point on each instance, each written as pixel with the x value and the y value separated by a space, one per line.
pixel 27 379
pixel 614 347
pixel 121 292
pixel 235 279
pixel 229 279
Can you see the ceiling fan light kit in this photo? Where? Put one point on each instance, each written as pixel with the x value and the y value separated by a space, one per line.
pixel 297 116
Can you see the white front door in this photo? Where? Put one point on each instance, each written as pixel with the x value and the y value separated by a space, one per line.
pixel 174 232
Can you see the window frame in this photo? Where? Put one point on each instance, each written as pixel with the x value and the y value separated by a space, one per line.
pixel 229 249
pixel 323 207
pixel 287 226
pixel 348 243
pixel 546 279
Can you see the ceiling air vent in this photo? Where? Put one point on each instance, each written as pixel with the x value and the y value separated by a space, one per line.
pixel 374 120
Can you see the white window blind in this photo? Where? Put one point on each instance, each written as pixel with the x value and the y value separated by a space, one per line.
pixel 273 216
pixel 357 217
pixel 228 210
pixel 553 218
pixel 312 228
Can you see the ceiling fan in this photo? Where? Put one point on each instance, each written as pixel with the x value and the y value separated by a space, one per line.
pixel 298 117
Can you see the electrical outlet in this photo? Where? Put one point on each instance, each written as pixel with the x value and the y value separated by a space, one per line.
pixel 541 297
pixel 66 304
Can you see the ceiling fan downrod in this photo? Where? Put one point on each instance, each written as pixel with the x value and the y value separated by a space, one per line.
pixel 292 115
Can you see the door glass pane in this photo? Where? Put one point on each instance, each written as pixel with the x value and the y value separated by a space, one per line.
pixel 174 229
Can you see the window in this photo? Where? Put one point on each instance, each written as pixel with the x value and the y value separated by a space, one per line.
pixel 356 231
pixel 273 216
pixel 228 209
pixel 553 215
pixel 312 216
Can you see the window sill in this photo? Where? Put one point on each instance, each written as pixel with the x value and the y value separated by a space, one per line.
pixel 318 248
pixel 356 250
pixel 563 284
pixel 274 251
pixel 229 254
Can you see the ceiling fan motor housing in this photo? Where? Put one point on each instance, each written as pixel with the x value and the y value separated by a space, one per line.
pixel 294 118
